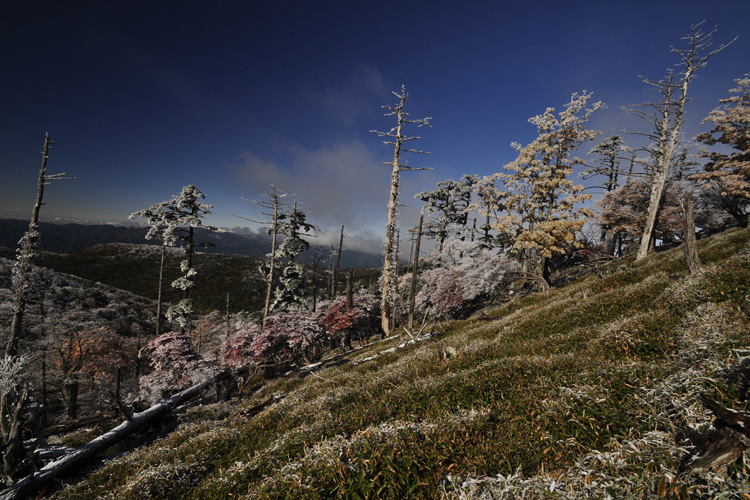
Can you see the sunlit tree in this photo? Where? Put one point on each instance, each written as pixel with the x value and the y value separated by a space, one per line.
pixel 535 198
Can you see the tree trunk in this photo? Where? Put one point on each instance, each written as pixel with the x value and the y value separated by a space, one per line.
pixel 160 290
pixel 335 279
pixel 390 251
pixel 274 230
pixel 20 303
pixel 691 246
pixel 71 398
pixel 414 273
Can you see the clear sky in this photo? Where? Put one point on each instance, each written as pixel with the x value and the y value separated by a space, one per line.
pixel 143 98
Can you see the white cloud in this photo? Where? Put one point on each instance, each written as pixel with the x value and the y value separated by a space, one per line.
pixel 344 183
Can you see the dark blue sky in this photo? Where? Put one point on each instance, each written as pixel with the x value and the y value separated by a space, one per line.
pixel 145 97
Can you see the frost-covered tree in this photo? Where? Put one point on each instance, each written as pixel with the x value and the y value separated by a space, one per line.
pixel 536 200
pixel 666 117
pixel 26 253
pixel 397 139
pixel 13 395
pixel 449 204
pixel 12 402
pixel 290 291
pixel 276 204
pixel 162 221
pixel 728 173
pixel 174 221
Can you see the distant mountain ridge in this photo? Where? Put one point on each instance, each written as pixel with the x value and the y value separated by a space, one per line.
pixel 71 238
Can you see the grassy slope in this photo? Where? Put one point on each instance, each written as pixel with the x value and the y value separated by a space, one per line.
pixel 580 393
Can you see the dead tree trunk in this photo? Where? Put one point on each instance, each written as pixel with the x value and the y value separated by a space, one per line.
pixel 335 277
pixel 667 120
pixel 691 245
pixel 391 258
pixel 26 254
pixel 414 271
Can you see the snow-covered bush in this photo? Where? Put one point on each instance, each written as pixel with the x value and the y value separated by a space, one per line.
pixel 176 365
pixel 462 277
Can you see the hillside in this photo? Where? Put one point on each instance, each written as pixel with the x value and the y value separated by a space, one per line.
pixel 588 392
pixel 135 268
pixel 71 302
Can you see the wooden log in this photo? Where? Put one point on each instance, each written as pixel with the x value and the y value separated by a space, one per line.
pixel 90 450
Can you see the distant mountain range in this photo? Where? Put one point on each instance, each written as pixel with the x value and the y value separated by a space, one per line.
pixel 71 238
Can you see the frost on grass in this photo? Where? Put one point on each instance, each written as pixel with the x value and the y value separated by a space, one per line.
pixel 643 464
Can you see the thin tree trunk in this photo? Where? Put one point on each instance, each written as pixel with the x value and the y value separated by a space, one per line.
pixel 335 280
pixel 315 284
pixel 274 231
pixel 160 291
pixel 331 286
pixel 415 270
pixel 20 303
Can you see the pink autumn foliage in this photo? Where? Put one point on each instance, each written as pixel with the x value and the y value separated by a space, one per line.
pixel 440 293
pixel 239 353
pixel 176 365
pixel 291 336
pixel 361 321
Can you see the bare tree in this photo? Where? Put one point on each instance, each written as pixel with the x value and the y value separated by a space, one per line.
pixel 397 139
pixel 25 252
pixel 12 396
pixel 335 276
pixel 666 116
pixel 275 204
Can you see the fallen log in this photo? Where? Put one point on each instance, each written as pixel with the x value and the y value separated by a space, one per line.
pixel 90 450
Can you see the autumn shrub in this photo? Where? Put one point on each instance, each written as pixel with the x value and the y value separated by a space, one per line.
pixel 97 352
pixel 292 336
pixel 239 353
pixel 175 365
pixel 344 325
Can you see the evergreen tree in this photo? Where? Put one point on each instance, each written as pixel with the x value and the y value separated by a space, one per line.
pixel 174 221
pixel 450 203
pixel 290 290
